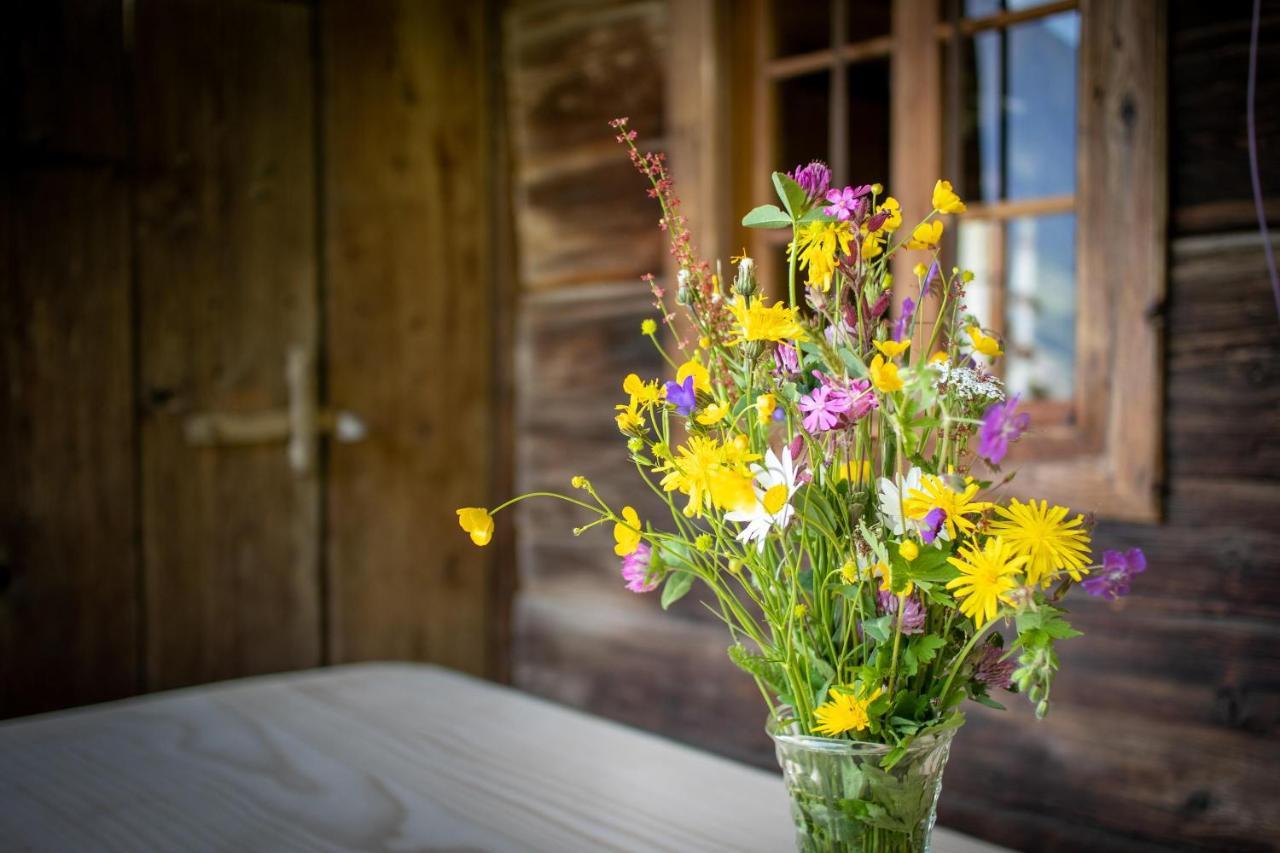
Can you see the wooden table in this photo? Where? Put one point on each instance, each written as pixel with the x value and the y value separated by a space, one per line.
pixel 373 757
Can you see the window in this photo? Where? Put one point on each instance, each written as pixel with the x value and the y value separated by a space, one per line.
pixel 1049 118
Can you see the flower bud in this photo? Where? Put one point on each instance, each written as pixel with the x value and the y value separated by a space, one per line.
pixel 1042 709
pixel 745 284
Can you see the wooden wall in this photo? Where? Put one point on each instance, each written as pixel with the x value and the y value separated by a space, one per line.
pixel 1165 732
pixel 189 191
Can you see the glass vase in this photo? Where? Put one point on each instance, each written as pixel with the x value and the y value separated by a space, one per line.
pixel 842 800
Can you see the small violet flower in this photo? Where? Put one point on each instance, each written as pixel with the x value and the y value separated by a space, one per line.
pixel 1113 579
pixel 682 396
pixel 913 612
pixel 932 524
pixel 823 407
pixel 845 202
pixel 1001 425
pixel 814 178
pixel 991 671
pixel 904 320
pixel 635 569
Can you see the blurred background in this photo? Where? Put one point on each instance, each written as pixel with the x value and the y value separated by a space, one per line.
pixel 286 282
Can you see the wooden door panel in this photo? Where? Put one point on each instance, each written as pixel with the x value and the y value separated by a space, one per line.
pixel 227 284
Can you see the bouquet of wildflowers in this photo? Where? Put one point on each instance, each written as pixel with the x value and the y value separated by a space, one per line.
pixel 833 477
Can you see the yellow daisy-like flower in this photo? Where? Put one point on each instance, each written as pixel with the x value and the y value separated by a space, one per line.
pixel 627 533
pixel 759 322
pixel 642 393
pixel 817 244
pixel 710 473
pixel 713 414
pixel 701 378
pixel 884 375
pixel 945 199
pixel 766 405
pixel 478 522
pixel 892 349
pixel 984 344
pixel 926 235
pixel 986 577
pixel 628 418
pixel 1046 537
pixel 844 712
pixel 934 492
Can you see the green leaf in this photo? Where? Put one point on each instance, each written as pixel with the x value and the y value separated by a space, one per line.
pixel 768 671
pixel 766 216
pixel 817 215
pixel 925 648
pixel 677 586
pixel 984 699
pixel 877 629
pixel 792 196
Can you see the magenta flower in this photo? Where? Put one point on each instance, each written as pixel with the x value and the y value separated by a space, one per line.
pixel 991 671
pixel 823 407
pixel 862 401
pixel 635 569
pixel 845 202
pixel 1001 425
pixel 786 362
pixel 814 178
pixel 1116 574
pixel 913 612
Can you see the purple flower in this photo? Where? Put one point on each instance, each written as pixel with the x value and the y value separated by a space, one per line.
pixel 862 401
pixel 823 407
pixel 904 320
pixel 845 202
pixel 635 569
pixel 1001 425
pixel 933 524
pixel 785 361
pixel 1113 579
pixel 990 670
pixel 813 178
pixel 913 612
pixel 682 396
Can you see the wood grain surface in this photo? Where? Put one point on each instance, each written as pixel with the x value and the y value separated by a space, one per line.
pixel 374 757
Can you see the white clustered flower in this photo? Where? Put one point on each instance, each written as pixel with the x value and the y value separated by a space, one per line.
pixel 966 384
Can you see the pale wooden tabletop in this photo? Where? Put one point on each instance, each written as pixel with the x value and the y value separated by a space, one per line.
pixel 374 757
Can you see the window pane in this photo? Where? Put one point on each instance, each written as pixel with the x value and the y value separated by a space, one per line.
pixel 869 19
pixel 1040 107
pixel 869 122
pixel 801 26
pixel 803 120
pixel 976 247
pixel 1040 306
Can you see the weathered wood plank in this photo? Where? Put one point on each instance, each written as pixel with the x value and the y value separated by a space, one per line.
pixel 227 280
pixel 68 556
pixel 410 307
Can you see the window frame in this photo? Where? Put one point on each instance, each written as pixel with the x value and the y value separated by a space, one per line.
pixel 1103 450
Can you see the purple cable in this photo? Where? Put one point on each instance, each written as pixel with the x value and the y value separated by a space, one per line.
pixel 1253 154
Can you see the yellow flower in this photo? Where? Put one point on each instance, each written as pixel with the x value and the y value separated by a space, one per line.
pixel 892 349
pixel 939 357
pixel 642 393
pixel 710 473
pixel 476 521
pixel 800 610
pixel 701 378
pixel 732 490
pixel 850 471
pixel 713 414
pixel 845 712
pixel 1045 536
pixel 628 419
pixel 849 572
pixel 920 270
pixel 872 246
pixel 884 375
pixel 945 199
pixel 986 576
pixel 704 542
pixel 909 550
pixel 648 326
pixel 627 533
pixel 891 207
pixel 817 245
pixel 766 405
pixel 926 235
pixel 735 565
pixel 983 343
pixel 704 342
pixel 933 492
pixel 760 323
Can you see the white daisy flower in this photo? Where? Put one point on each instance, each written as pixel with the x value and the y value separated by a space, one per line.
pixel 775 483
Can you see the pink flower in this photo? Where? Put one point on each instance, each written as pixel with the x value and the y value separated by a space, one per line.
pixel 823 407
pixel 635 569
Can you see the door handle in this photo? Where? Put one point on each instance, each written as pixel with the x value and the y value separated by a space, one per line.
pixel 298 426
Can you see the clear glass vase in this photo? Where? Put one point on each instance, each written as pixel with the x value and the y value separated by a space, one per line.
pixel 842 799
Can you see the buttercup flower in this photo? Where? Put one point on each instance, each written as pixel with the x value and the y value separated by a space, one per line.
pixel 627 532
pixel 478 522
pixel 892 214
pixel 713 414
pixel 1116 574
pixel 926 235
pixel 892 349
pixel 767 409
pixel 945 199
pixel 635 569
pixel 884 375
pixel 984 344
